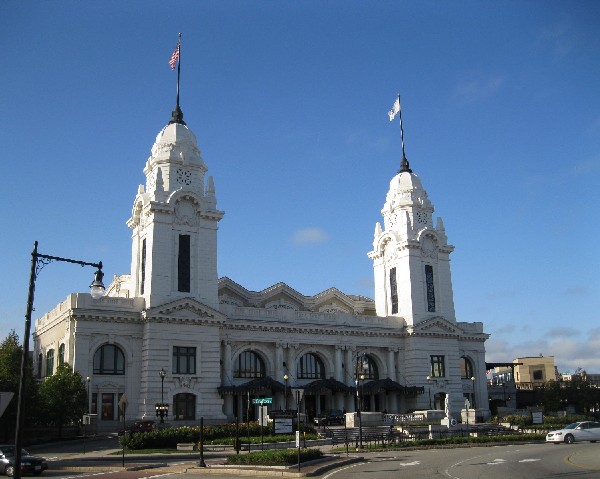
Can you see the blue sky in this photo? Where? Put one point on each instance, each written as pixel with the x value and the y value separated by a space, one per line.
pixel 288 100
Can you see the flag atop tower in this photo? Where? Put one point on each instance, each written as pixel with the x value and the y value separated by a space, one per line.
pixel 395 109
pixel 175 56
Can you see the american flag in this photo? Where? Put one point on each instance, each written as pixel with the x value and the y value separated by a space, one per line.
pixel 174 57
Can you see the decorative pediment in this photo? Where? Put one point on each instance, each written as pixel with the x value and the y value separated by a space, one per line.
pixel 436 326
pixel 184 310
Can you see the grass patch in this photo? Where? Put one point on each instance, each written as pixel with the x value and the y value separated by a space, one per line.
pixel 275 457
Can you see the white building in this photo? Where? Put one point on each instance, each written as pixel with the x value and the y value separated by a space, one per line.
pixel 221 345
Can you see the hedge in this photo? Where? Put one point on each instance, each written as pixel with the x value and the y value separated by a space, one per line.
pixel 275 457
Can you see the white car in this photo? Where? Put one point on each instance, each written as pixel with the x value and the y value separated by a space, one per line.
pixel 578 431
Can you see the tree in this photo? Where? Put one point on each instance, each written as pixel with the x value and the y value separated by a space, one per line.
pixel 62 398
pixel 11 353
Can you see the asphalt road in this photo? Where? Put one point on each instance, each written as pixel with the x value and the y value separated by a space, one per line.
pixel 523 461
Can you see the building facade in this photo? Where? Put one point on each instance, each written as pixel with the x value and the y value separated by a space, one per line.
pixel 222 345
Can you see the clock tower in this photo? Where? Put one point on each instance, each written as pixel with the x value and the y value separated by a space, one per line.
pixel 411 256
pixel 174 223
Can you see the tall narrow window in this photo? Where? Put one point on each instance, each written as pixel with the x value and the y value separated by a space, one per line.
pixel 143 272
pixel 50 362
pixel 108 407
pixel 393 291
pixel 430 289
pixel 183 264
pixel 61 354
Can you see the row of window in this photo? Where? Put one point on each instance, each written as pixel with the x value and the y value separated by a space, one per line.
pixel 109 359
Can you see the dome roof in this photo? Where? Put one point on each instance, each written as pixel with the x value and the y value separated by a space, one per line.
pixel 176 142
pixel 405 190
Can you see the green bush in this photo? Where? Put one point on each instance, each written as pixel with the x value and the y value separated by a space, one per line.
pixel 168 438
pixel 275 457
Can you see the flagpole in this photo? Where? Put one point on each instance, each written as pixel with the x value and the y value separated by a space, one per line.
pixel 177 114
pixel 179 70
pixel 401 128
pixel 404 166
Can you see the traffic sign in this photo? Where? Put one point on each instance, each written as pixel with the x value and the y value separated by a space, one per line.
pixel 262 401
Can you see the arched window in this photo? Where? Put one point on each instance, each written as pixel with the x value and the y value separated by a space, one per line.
pixel 184 406
pixel 249 365
pixel 311 367
pixel 466 368
pixel 109 359
pixel 61 354
pixel 50 362
pixel 368 367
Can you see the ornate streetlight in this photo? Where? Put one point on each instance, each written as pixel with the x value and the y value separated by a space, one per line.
pixel 38 261
pixel 429 389
pixel 285 378
pixel 162 409
pixel 87 382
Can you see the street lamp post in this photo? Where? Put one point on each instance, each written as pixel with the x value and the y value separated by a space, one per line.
pixel 429 388
pixel 38 261
pixel 473 402
pixel 162 409
pixel 285 378
pixel 87 382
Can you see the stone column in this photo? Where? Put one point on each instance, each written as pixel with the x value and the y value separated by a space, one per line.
pixel 349 377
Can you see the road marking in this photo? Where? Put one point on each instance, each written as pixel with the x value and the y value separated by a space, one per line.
pixel 414 463
pixel 529 460
pixel 344 468
pixel 496 462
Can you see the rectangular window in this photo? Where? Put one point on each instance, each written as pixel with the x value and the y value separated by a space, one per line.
pixel 108 407
pixel 143 272
pixel 438 369
pixel 538 375
pixel 430 289
pixel 94 406
pixel 183 264
pixel 393 291
pixel 184 360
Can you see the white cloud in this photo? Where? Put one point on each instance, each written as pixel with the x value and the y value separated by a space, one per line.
pixel 569 353
pixel 312 235
pixel 478 87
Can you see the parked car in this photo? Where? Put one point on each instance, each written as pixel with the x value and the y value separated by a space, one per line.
pixel 29 464
pixel 578 431
pixel 139 426
pixel 329 417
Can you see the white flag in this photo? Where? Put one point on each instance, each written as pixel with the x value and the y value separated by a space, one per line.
pixel 395 109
